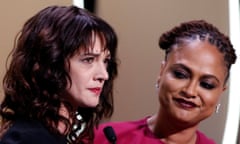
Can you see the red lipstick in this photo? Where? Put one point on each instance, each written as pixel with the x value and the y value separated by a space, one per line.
pixel 96 90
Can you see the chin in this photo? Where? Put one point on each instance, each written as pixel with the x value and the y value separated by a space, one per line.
pixel 92 104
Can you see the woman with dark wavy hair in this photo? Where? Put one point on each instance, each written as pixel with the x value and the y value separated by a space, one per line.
pixel 193 75
pixel 59 82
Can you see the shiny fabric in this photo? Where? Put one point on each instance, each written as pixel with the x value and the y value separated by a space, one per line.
pixel 136 132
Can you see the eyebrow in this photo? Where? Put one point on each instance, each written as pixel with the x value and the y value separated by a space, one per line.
pixel 182 66
pixel 90 53
pixel 189 71
pixel 94 54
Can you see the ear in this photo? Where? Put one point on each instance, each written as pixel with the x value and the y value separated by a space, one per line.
pixel 163 65
pixel 224 88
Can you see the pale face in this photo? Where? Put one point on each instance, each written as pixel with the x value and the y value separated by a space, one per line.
pixel 88 72
pixel 191 82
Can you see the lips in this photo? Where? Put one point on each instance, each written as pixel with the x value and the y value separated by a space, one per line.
pixel 185 104
pixel 96 90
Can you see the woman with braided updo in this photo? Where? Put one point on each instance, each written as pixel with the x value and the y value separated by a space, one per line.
pixel 193 75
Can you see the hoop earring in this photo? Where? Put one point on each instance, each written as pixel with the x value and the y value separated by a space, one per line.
pixel 217 108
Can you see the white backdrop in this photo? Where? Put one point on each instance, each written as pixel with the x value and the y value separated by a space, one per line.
pixel 232 121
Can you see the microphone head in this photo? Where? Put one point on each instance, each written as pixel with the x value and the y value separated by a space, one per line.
pixel 110 134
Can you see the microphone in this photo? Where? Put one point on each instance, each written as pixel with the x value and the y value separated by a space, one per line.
pixel 110 134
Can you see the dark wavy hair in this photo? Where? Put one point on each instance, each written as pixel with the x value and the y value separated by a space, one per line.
pixel 37 75
pixel 202 30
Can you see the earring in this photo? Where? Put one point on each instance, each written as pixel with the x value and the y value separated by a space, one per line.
pixel 156 85
pixel 217 108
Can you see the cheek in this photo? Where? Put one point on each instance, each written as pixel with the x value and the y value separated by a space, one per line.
pixel 167 87
pixel 210 98
pixel 77 75
pixel 170 84
pixel 78 81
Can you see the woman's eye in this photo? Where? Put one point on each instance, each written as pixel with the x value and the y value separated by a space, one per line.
pixel 207 85
pixel 88 60
pixel 107 61
pixel 180 75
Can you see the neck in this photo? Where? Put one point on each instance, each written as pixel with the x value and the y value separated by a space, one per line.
pixel 171 133
pixel 62 127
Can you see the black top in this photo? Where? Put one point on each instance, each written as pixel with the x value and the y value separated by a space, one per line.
pixel 30 132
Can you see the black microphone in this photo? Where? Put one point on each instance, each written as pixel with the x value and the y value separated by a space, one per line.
pixel 110 134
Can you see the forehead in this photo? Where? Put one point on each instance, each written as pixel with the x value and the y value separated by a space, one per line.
pixel 199 56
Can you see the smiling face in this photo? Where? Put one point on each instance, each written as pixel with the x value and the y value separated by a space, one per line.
pixel 88 72
pixel 191 81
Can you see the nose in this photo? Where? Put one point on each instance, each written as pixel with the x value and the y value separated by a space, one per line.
pixel 101 72
pixel 190 90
